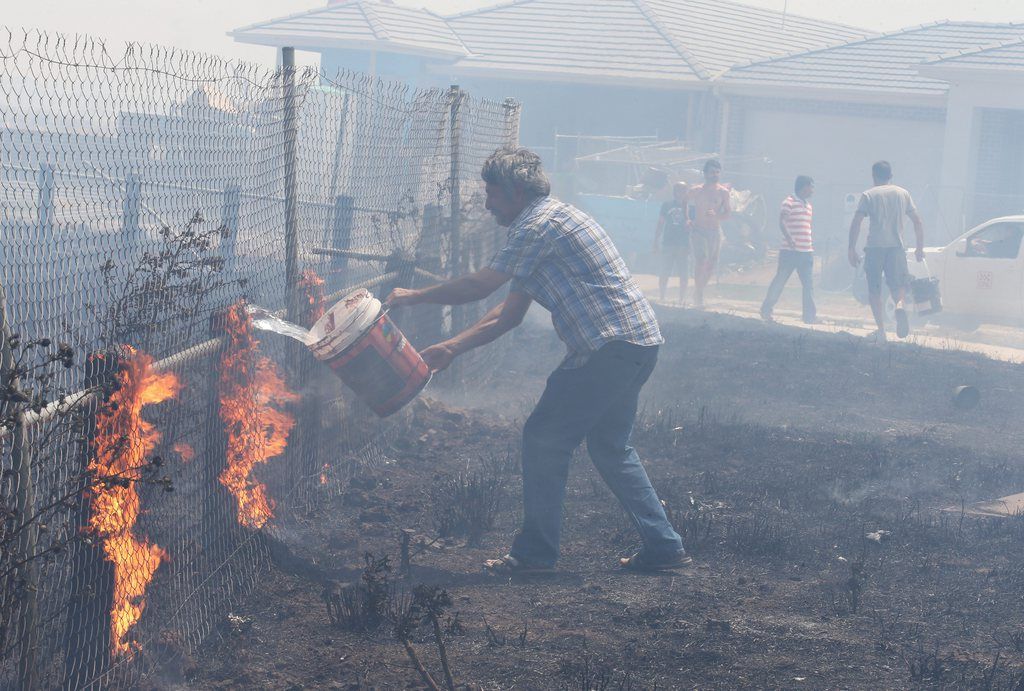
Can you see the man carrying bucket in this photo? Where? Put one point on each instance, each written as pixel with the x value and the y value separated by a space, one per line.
pixel 560 257
pixel 885 205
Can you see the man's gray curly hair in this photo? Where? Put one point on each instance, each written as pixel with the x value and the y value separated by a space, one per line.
pixel 517 170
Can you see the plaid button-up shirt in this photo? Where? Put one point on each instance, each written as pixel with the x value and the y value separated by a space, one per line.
pixel 565 261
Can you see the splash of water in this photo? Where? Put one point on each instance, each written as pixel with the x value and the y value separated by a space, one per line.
pixel 266 321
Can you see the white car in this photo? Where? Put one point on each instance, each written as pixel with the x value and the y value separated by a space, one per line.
pixel 981 273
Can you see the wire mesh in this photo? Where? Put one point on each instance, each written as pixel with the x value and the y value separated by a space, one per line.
pixel 143 194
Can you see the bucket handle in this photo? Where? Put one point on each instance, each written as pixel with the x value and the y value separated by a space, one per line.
pixel 927 269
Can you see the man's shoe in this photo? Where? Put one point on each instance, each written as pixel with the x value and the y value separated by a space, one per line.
pixel 902 323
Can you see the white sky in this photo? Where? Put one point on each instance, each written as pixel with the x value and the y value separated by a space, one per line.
pixel 202 24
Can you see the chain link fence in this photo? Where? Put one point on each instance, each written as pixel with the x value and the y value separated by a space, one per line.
pixel 144 193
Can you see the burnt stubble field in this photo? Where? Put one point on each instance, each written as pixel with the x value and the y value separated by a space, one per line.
pixel 810 475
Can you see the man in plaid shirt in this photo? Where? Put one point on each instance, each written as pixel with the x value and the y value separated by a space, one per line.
pixel 561 258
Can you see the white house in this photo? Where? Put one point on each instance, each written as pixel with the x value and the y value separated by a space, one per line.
pixel 932 99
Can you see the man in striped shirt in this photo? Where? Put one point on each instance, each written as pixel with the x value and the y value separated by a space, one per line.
pixel 797 250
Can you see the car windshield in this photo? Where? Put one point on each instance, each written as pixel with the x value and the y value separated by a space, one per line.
pixel 997 241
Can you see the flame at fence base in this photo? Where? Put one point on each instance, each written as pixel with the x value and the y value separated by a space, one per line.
pixel 123 441
pixel 251 395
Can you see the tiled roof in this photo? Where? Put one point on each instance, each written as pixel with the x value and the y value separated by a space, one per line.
pixel 886 63
pixel 668 42
pixel 358 24
pixel 1001 56
pixel 672 41
pixel 609 40
pixel 720 33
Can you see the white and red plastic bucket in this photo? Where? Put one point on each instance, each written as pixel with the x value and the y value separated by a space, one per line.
pixel 358 340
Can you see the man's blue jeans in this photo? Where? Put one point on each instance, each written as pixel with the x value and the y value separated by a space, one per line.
pixel 596 402
pixel 803 264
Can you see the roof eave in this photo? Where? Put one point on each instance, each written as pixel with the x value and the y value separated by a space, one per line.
pixel 847 95
pixel 957 73
pixel 319 45
pixel 677 84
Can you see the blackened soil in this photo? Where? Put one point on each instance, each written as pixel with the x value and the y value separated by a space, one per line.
pixel 809 475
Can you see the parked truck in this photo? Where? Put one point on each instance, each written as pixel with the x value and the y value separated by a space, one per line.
pixel 981 273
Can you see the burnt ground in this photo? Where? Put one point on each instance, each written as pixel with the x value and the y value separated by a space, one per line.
pixel 807 473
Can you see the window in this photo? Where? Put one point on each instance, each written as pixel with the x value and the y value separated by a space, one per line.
pixel 997 241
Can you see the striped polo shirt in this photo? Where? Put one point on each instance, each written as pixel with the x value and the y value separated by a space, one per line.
pixel 796 217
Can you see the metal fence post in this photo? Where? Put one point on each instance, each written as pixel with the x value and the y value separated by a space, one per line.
pixel 130 211
pixel 512 110
pixel 87 634
pixel 21 465
pixel 431 323
pixel 455 258
pixel 291 221
pixel 341 232
pixel 229 219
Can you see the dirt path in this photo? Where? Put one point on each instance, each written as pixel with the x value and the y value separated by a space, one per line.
pixel 839 312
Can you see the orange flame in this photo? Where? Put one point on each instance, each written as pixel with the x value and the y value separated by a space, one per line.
pixel 312 287
pixel 122 443
pixel 323 473
pixel 184 451
pixel 251 395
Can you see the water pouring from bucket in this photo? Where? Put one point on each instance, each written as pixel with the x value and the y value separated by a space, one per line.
pixel 366 350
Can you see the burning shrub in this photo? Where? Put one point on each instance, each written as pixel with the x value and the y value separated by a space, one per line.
pixel 122 443
pixel 466 505
pixel 252 395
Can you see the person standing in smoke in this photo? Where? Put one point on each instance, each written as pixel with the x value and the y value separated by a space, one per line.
pixel 797 250
pixel 885 205
pixel 711 201
pixel 561 258
pixel 672 240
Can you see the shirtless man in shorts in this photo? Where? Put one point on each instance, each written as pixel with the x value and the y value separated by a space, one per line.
pixel 711 202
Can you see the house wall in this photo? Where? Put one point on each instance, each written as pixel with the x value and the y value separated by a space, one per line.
pixel 558 108
pixel 770 141
pixel 549 108
pixel 983 146
pixel 998 184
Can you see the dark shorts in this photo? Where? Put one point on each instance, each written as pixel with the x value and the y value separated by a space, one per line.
pixel 891 261
pixel 675 258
